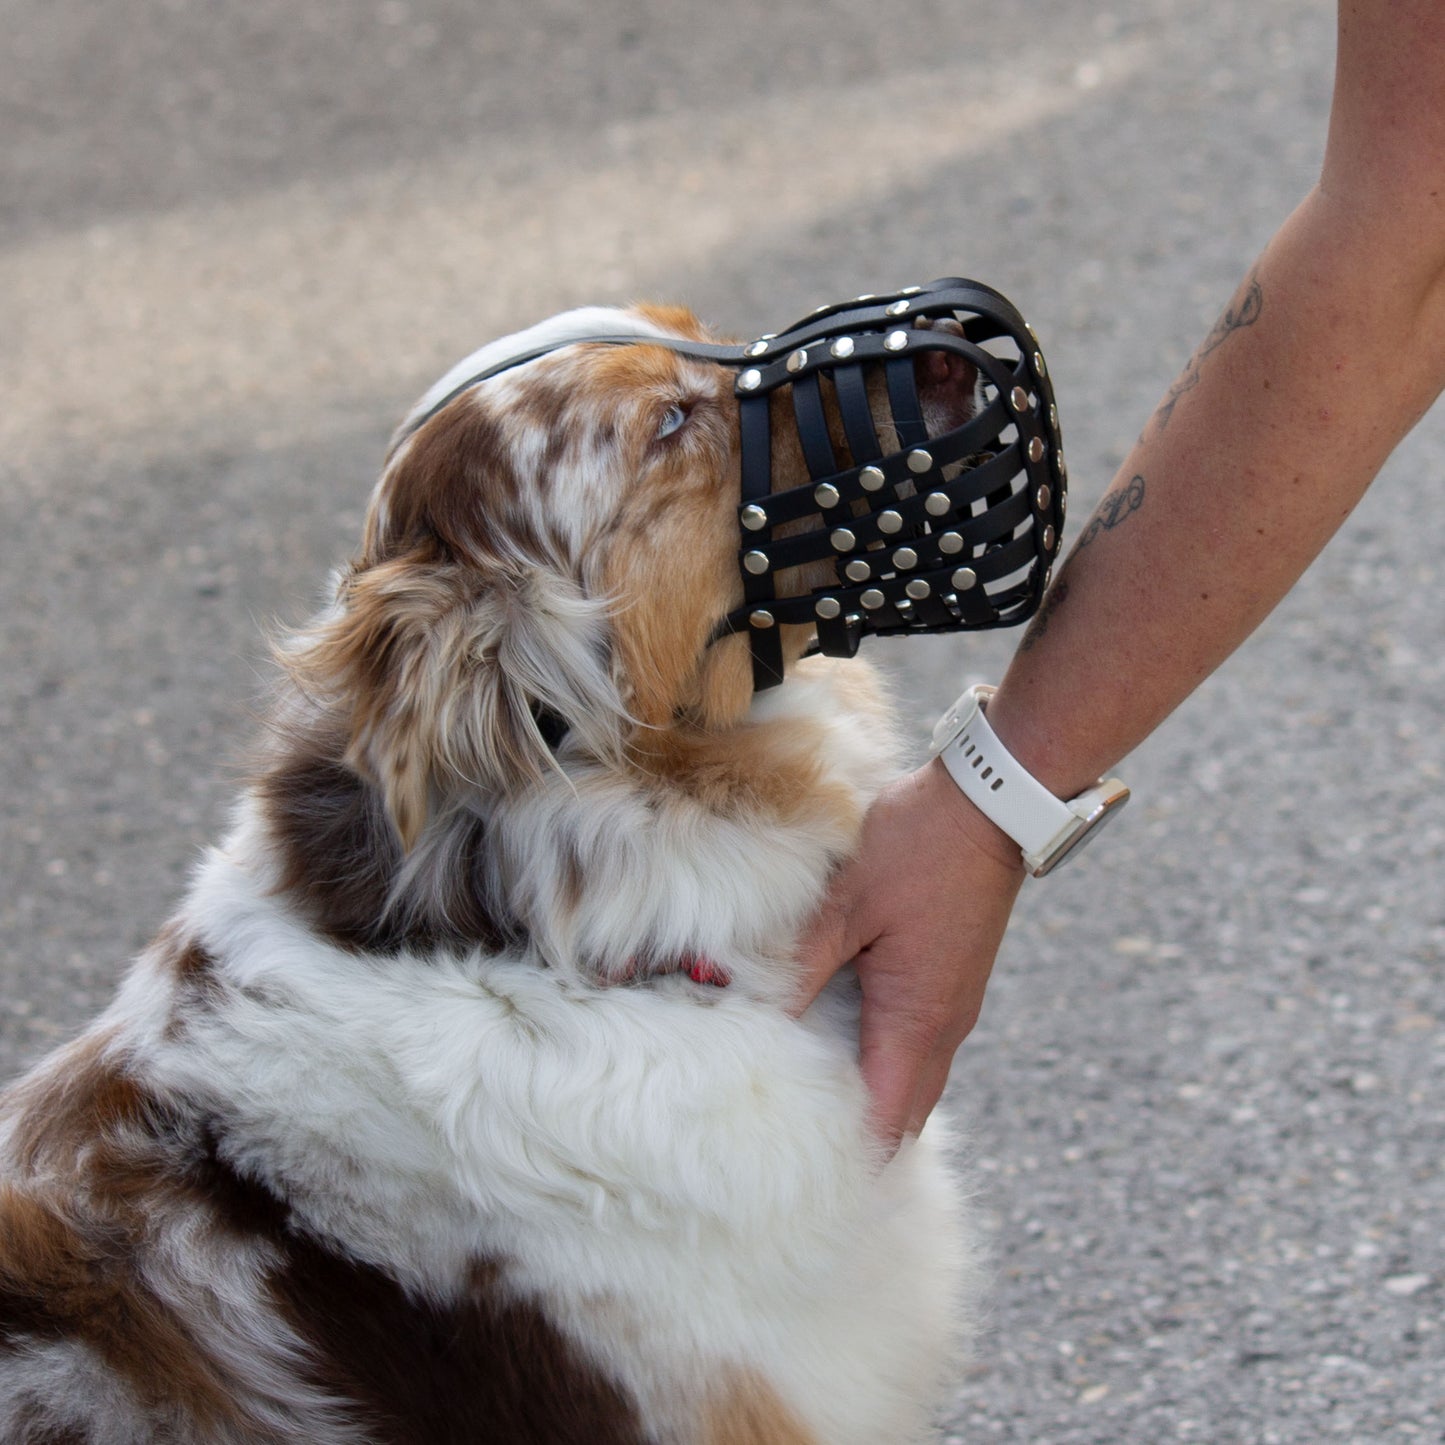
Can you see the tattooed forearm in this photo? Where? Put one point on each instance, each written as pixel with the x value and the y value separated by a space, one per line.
pixel 1245 311
pixel 1040 625
pixel 1113 511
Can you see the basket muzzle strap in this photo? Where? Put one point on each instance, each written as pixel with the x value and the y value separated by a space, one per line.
pixel 852 391
pixel 765 642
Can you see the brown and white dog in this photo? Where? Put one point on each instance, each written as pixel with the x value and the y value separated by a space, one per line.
pixel 460 1099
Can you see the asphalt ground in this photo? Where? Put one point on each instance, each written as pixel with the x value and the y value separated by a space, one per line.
pixel 1207 1096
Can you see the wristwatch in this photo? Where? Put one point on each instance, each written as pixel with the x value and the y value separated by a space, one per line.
pixel 1047 829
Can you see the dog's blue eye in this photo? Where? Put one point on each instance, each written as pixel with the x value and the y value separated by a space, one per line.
pixel 672 421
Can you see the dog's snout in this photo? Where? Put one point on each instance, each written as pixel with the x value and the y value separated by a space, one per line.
pixel 947 382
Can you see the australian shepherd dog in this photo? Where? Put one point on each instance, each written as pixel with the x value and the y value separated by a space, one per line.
pixel 462 1098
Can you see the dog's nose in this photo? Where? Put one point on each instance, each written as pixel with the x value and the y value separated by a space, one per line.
pixel 947 382
pixel 944 369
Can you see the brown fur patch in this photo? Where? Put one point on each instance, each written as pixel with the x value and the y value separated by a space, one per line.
pixel 188 963
pixel 97 1149
pixel 676 319
pixel 670 551
pixel 748 1411
pixel 197 983
pixel 108 1163
pixel 339 856
pixel 417 1371
pixel 768 769
pixel 672 566
pixel 70 1280
pixel 482 1367
pixel 34 1431
pixel 448 491
pixel 83 1096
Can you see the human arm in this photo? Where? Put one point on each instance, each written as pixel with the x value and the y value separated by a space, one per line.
pixel 1329 352
pixel 1331 349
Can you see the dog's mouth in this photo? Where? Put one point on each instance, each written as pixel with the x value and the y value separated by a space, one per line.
pixel 947 382
pixel 912 479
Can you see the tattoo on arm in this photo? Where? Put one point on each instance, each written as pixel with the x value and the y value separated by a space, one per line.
pixel 1113 511
pixel 1040 625
pixel 1239 314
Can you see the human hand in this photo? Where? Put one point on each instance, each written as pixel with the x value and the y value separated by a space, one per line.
pixel 919 912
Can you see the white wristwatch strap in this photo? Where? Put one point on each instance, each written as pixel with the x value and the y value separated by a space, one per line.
pixel 1045 827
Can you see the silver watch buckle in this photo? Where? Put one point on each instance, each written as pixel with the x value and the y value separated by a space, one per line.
pixel 1090 809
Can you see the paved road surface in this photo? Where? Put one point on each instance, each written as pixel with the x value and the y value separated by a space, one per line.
pixel 1207 1098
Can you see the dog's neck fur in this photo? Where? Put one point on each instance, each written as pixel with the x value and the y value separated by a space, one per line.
pixel 603 870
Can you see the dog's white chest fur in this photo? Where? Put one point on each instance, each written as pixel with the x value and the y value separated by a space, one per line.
pixel 680 1174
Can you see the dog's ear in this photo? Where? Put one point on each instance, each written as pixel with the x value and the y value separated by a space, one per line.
pixel 460 642
pixel 449 678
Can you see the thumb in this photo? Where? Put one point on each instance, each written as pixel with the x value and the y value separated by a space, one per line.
pixel 827 942
pixel 891 1077
pixel 896 1051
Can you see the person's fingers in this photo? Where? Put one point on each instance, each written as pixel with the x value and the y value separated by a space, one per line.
pixel 905 1084
pixel 898 1042
pixel 891 1079
pixel 931 1084
pixel 827 942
